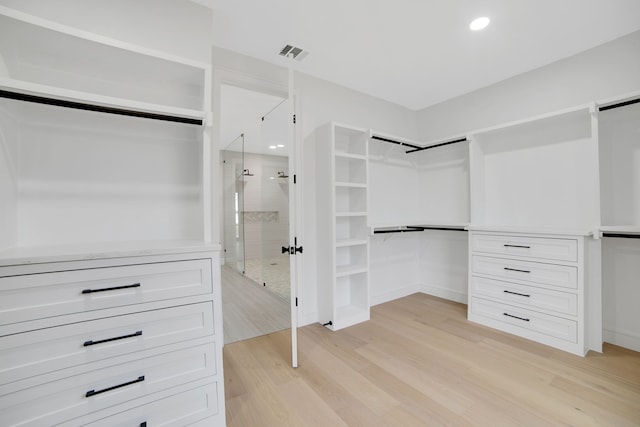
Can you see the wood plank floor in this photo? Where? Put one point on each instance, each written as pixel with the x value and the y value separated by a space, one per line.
pixel 419 362
pixel 249 310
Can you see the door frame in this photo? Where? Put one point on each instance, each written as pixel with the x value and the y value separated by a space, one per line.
pixel 227 76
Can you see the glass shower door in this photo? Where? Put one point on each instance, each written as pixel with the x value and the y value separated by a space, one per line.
pixel 234 181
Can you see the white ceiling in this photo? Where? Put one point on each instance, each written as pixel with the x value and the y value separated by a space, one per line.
pixel 419 52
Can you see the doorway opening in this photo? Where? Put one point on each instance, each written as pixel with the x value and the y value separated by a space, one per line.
pixel 256 271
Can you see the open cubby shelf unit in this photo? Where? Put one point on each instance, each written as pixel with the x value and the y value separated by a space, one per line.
pixel 342 188
pixel 101 141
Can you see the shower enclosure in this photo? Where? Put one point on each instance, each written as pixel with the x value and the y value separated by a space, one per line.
pixel 256 202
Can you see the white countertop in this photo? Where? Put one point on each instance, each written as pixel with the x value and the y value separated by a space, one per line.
pixel 86 251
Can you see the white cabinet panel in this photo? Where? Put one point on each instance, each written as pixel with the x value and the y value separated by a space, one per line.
pixel 46 350
pixel 527 271
pixel 178 410
pixel 78 395
pixel 528 296
pixel 553 326
pixel 35 296
pixel 534 247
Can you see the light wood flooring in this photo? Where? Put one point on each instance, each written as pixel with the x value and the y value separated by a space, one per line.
pixel 249 310
pixel 419 362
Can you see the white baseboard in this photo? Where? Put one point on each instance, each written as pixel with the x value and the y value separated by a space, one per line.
pixel 626 340
pixel 395 294
pixel 441 292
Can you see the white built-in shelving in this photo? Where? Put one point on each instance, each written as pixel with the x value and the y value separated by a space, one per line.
pixel 342 189
pixel 619 143
pixel 534 213
pixel 105 231
pixel 101 140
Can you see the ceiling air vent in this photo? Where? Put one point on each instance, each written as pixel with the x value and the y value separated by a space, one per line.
pixel 296 52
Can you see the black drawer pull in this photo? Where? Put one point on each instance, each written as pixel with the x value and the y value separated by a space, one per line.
pixel 91 342
pixel 515 293
pixel 516 317
pixel 93 392
pixel 115 288
pixel 144 424
pixel 515 269
pixel 517 246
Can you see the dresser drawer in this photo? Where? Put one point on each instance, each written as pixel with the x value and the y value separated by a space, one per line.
pixel 78 395
pixel 36 296
pixel 530 296
pixel 178 410
pixel 552 326
pixel 46 350
pixel 533 247
pixel 534 272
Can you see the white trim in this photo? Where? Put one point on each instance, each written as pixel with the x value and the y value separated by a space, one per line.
pixel 395 294
pixel 622 338
pixel 443 292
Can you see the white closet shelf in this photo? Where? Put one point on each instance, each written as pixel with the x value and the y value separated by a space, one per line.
pixel 351 185
pixel 618 99
pixel 349 214
pixel 573 111
pixel 99 250
pixel 350 156
pixel 533 230
pixel 35 89
pixel 421 223
pixel 344 243
pixel 626 229
pixel 349 270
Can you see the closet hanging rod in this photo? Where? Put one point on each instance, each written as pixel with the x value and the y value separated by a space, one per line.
pixel 411 228
pixel 619 104
pixel 404 144
pixel 622 235
pixel 98 108
pixel 442 228
pixel 437 145
pixel 397 230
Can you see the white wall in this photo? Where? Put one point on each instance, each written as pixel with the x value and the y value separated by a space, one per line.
pixel 179 27
pixel 318 103
pixel 601 72
pixel 8 181
pixel 620 292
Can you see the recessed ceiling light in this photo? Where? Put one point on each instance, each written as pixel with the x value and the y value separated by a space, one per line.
pixel 280 145
pixel 479 23
pixel 273 147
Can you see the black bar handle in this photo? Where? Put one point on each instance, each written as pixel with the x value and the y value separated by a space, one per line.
pixel 104 390
pixel 515 269
pixel 90 342
pixel 115 288
pixel 515 293
pixel 517 246
pixel 143 424
pixel 516 317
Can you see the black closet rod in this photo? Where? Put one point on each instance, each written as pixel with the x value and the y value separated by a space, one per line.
pixel 443 228
pixel 417 228
pixel 437 145
pixel 622 235
pixel 399 230
pixel 404 144
pixel 98 108
pixel 619 104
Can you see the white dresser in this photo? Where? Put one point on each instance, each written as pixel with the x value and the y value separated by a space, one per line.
pixel 122 338
pixel 535 286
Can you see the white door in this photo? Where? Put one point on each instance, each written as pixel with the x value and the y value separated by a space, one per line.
pixel 295 212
